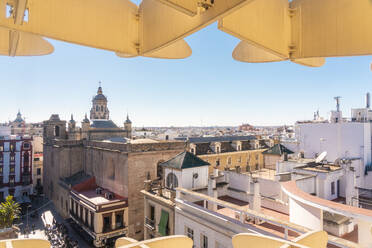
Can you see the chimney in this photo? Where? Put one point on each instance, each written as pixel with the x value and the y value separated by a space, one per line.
pixel 148 185
pixel 368 103
pixel 285 156
pixel 172 195
pixel 337 98
pixel 255 202
pixel 351 192
pixel 212 192
pixel 215 171
pixel 302 155
pixel 160 190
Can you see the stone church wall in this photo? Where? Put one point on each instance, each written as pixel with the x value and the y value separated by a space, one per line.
pixel 140 165
pixel 121 168
pixel 61 159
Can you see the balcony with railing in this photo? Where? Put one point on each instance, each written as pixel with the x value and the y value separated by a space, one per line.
pixel 119 225
pixel 149 223
pixel 106 229
pixel 80 221
pixel 26 179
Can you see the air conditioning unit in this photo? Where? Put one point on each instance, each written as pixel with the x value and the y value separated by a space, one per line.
pixel 109 195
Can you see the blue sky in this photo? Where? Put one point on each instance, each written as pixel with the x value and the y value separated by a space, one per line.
pixel 208 88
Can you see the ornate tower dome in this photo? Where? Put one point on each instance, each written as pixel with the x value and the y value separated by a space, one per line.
pixel 19 118
pixel 71 124
pixel 99 110
pixel 128 127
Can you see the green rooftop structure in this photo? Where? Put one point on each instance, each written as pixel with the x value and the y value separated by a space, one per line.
pixel 278 149
pixel 184 160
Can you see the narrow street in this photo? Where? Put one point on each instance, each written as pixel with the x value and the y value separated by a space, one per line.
pixel 34 219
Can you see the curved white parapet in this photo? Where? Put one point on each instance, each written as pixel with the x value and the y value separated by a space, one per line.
pixel 291 189
pixel 307 210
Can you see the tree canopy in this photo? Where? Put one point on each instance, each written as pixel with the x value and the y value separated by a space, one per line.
pixel 9 210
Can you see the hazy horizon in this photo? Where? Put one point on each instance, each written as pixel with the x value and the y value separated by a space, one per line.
pixel 207 89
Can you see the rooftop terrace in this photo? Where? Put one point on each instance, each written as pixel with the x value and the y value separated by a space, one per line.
pixel 266 221
pixel 94 194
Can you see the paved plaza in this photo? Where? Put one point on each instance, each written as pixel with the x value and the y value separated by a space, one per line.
pixel 32 220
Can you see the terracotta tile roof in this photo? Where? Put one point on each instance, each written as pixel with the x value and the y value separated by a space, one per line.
pixel 220 139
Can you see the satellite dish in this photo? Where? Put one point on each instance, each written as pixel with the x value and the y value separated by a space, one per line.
pixel 321 157
pixel 337 161
pixel 195 175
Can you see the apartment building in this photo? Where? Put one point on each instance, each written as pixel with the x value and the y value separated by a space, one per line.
pixel 16 156
pixel 230 152
pixel 100 213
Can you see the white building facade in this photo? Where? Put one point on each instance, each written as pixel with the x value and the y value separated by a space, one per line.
pixel 341 138
pixel 351 140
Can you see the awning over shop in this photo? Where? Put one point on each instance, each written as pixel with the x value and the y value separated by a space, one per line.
pixel 163 223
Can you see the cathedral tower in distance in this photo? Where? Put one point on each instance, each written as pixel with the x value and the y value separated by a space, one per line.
pixel 99 110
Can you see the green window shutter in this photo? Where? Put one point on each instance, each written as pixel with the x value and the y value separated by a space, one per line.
pixel 163 222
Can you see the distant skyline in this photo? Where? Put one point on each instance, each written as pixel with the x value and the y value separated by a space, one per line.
pixel 207 89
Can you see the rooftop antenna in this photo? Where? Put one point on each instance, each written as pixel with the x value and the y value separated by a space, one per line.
pixel 337 98
pixel 368 101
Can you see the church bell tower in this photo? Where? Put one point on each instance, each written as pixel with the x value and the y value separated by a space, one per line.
pixel 99 110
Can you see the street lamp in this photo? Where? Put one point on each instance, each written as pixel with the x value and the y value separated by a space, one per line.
pixel 27 227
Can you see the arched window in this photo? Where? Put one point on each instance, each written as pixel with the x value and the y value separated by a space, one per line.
pixel 172 181
pixel 102 108
pixel 96 107
pixel 56 131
